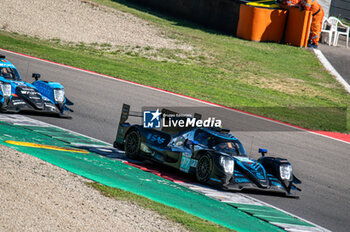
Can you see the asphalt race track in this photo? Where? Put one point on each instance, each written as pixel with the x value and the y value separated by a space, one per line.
pixel 320 162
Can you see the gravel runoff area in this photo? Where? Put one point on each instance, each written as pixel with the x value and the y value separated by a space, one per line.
pixel 81 21
pixel 38 196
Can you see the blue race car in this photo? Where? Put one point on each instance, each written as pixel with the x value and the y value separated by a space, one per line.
pixel 40 96
pixel 212 155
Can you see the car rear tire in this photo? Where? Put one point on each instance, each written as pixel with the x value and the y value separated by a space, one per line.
pixel 204 168
pixel 118 145
pixel 132 145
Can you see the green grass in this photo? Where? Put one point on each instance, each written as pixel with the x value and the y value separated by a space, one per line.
pixel 190 222
pixel 270 79
pixel 345 21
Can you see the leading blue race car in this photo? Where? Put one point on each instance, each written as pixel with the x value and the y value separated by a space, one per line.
pixel 40 96
pixel 212 155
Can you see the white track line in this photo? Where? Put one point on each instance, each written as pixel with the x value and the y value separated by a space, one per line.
pixel 331 69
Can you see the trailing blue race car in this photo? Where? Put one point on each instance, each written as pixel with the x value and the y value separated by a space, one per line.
pixel 212 155
pixel 40 96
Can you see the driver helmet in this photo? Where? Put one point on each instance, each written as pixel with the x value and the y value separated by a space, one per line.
pixel 4 72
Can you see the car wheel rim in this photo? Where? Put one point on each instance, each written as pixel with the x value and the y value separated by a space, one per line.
pixel 132 143
pixel 204 168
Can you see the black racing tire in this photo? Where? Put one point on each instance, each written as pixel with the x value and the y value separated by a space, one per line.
pixel 132 145
pixel 204 168
pixel 118 145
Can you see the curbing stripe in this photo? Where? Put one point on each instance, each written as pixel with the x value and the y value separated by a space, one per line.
pixel 300 228
pixel 49 147
pixel 181 95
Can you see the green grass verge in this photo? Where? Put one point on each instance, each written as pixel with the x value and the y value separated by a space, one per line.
pixel 270 79
pixel 190 222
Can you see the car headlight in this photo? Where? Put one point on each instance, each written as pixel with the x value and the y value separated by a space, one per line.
pixel 227 163
pixel 286 172
pixel 59 95
pixel 5 89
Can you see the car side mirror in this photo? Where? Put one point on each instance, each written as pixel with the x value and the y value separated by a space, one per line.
pixel 263 151
pixel 36 76
pixel 190 143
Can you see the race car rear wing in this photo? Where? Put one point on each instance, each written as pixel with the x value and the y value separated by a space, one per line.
pixel 126 113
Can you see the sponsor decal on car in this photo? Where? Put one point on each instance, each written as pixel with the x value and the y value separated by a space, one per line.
pixel 185 162
pixel 241 180
pixel 18 102
pixel 194 163
pixel 155 138
pixel 216 180
pixel 243 159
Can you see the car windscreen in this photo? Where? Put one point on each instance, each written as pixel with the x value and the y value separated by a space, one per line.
pixel 229 147
pixel 221 144
pixel 10 74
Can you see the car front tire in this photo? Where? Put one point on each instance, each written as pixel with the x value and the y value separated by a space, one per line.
pixel 204 168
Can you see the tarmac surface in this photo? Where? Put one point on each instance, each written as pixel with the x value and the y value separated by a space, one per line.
pixel 339 57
